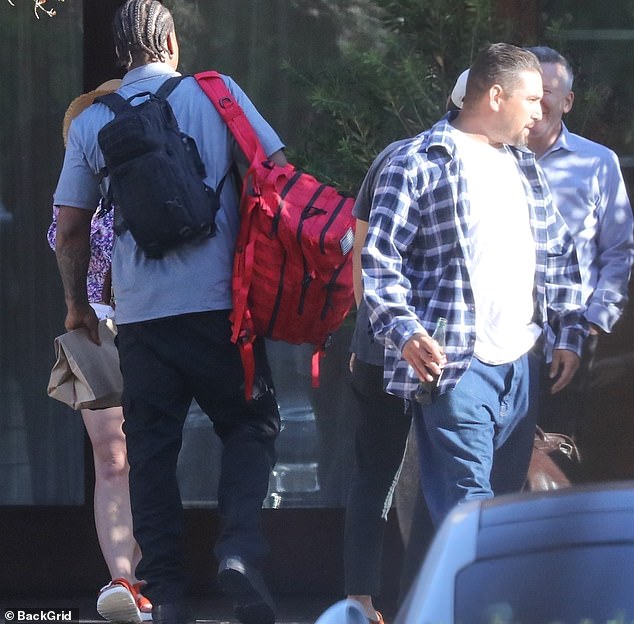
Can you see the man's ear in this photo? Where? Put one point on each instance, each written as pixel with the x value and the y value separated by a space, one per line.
pixel 172 50
pixel 495 97
pixel 171 43
pixel 568 101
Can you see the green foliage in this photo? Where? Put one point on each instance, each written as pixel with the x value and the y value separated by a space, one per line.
pixel 603 67
pixel 395 87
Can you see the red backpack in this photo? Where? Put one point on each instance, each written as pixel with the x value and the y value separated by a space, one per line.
pixel 292 272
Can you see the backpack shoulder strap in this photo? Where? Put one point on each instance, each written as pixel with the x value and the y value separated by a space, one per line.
pixel 117 103
pixel 114 102
pixel 214 86
pixel 168 86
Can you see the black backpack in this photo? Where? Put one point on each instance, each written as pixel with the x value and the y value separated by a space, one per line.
pixel 156 174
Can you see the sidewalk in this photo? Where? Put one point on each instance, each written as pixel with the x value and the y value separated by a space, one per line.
pixel 295 609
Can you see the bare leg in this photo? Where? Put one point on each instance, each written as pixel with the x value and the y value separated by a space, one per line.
pixel 113 519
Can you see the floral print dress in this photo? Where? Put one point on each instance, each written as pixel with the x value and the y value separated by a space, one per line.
pixel 101 241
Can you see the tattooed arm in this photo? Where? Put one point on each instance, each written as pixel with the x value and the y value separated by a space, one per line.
pixel 72 250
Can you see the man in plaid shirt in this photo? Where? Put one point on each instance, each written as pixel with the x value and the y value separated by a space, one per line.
pixel 462 226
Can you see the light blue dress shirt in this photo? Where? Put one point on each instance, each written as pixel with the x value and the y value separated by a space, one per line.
pixel 588 190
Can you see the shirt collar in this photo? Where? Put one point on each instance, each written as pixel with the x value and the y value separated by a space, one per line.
pixel 145 72
pixel 564 142
pixel 441 135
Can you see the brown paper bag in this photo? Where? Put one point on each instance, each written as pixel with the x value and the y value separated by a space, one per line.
pixel 86 375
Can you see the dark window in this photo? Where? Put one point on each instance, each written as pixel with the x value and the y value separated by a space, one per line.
pixel 583 585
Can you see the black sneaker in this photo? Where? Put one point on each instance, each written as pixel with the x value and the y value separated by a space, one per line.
pixel 244 584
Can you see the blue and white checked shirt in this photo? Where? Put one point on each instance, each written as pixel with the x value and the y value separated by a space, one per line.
pixel 414 267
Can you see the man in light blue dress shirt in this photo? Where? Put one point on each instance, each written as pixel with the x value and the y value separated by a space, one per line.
pixel 588 190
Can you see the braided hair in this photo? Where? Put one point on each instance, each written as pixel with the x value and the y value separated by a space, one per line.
pixel 140 30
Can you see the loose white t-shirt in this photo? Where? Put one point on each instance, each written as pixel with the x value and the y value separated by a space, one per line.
pixel 501 252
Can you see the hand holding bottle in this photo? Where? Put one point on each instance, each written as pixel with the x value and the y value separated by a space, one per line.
pixel 426 355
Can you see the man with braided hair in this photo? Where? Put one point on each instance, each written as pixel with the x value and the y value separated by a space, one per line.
pixel 174 333
pixel 143 28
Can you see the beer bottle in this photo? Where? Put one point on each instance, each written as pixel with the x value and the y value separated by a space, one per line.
pixel 423 394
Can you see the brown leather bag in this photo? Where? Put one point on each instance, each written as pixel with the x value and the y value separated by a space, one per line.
pixel 554 462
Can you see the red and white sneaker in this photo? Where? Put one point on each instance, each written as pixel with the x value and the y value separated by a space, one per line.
pixel 121 602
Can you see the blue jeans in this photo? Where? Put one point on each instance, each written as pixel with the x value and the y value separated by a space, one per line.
pixel 477 439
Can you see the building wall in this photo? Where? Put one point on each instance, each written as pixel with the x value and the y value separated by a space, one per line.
pixel 41 459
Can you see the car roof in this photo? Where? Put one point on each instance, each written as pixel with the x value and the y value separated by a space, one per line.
pixel 540 520
pixel 533 522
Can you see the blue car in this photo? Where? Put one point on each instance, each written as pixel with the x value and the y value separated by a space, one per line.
pixel 558 557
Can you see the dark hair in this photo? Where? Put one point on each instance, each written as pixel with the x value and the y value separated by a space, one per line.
pixel 499 63
pixel 548 55
pixel 140 30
